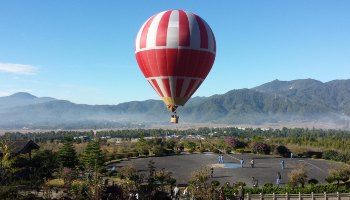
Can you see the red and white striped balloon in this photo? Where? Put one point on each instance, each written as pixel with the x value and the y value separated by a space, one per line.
pixel 175 51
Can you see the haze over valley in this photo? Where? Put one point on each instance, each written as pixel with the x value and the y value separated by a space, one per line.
pixel 304 102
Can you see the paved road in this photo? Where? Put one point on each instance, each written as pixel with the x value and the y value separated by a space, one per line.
pixel 266 167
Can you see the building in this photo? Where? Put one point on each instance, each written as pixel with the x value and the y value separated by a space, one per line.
pixel 21 147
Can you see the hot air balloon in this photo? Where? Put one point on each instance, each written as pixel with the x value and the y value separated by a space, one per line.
pixel 175 51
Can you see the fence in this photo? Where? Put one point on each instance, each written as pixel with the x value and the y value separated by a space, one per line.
pixel 312 196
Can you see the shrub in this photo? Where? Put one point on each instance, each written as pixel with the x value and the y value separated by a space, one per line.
pixel 215 151
pixel 240 150
pixel 341 158
pixel 135 154
pixel 8 192
pixel 215 183
pixel 313 181
pixel 308 189
pixel 157 150
pixel 201 149
pixel 129 154
pixel 282 151
pixel 143 151
pixel 191 146
pixel 55 182
pixel 330 154
pixel 169 151
pixel 228 150
pixel 312 154
pixel 79 188
pixel 268 185
pixel 261 148
pixel 239 184
pixel 120 155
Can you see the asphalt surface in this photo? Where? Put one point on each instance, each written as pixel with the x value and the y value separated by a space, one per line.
pixel 265 170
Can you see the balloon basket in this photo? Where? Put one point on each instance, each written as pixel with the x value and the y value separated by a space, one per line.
pixel 174 119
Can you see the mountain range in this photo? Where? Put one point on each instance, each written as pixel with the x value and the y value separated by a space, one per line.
pixel 275 102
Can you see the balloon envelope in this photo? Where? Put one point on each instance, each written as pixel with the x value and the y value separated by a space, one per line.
pixel 175 51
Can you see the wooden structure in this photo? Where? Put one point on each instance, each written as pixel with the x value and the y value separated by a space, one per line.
pixel 312 196
pixel 21 147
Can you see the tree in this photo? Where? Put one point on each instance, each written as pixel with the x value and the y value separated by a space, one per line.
pixel 191 146
pixel 6 160
pixel 142 147
pixel 44 163
pixel 298 176
pixel 164 178
pixel 170 144
pixel 7 168
pixel 199 184
pixel 234 143
pixel 261 148
pixel 158 150
pixel 93 156
pixel 67 156
pixel 338 174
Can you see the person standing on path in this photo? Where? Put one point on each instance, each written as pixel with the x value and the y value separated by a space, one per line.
pixel 252 163
pixel 242 162
pixel 278 178
pixel 282 164
pixel 222 159
pixel 255 182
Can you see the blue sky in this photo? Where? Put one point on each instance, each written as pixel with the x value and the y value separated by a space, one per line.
pixel 83 51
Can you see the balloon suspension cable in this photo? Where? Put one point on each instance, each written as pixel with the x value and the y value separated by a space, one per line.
pixel 172 108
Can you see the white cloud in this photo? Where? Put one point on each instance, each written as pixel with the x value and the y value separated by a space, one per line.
pixel 17 68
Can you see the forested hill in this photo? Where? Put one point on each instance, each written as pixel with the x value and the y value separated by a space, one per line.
pixel 305 100
pixel 333 95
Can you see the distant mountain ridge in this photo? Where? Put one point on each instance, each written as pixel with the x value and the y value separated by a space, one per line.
pixel 22 99
pixel 333 95
pixel 304 100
